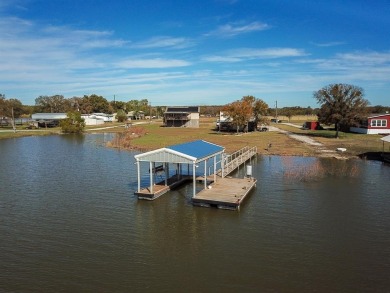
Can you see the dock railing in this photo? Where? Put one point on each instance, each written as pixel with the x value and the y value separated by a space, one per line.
pixel 236 159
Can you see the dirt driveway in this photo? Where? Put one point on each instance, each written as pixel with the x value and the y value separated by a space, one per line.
pixel 319 147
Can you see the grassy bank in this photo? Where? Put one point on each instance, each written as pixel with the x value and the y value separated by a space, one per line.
pixel 354 143
pixel 271 143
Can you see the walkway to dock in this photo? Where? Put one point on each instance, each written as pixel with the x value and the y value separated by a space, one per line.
pixel 236 159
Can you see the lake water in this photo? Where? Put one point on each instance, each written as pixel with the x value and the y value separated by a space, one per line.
pixel 69 222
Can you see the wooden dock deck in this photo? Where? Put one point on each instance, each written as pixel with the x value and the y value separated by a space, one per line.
pixel 225 193
pixel 160 188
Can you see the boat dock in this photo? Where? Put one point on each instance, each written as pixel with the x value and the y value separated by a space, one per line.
pixel 161 188
pixel 220 190
pixel 227 193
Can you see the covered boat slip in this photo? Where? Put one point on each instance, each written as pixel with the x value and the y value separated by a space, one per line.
pixel 196 161
pixel 187 159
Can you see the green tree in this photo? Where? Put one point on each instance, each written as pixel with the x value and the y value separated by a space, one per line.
pixel 7 106
pixel 3 106
pixel 73 123
pixel 118 105
pixel 121 116
pixel 16 106
pixel 341 104
pixel 94 104
pixel 160 111
pixel 52 104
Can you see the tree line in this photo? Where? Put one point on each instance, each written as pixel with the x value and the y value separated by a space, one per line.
pixel 85 105
pixel 340 104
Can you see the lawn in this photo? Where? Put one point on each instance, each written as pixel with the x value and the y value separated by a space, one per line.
pixel 271 143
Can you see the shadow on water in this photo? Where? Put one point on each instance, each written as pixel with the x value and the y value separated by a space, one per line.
pixel 376 156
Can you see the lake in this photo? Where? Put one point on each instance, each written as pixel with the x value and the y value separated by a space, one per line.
pixel 70 222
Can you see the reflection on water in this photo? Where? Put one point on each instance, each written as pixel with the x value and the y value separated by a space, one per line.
pixel 69 221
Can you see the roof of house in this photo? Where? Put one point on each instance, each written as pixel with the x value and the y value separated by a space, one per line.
pixel 190 109
pixel 189 152
pixel 48 116
pixel 378 115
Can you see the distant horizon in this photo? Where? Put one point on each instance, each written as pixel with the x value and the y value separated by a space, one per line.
pixel 194 52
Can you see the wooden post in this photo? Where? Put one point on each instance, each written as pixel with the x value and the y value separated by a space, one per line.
pixel 194 179
pixel 215 168
pixel 138 176
pixel 166 173
pixel 151 176
pixel 205 174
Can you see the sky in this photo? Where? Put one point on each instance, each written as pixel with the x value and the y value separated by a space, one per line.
pixel 186 52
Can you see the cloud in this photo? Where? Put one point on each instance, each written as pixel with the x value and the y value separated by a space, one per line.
pixel 231 30
pixel 164 42
pixel 329 44
pixel 152 63
pixel 365 58
pixel 244 54
pixel 14 4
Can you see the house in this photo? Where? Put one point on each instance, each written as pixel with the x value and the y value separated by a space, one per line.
pixel 53 119
pixel 374 124
pixel 102 116
pixel 225 123
pixel 182 117
pixel 91 119
pixel 135 115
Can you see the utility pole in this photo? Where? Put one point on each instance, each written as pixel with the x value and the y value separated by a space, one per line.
pixel 13 120
pixel 276 111
pixel 150 112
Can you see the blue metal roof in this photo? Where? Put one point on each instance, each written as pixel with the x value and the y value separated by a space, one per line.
pixel 185 153
pixel 199 149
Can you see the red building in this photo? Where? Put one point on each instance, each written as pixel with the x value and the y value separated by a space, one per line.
pixel 312 125
pixel 375 124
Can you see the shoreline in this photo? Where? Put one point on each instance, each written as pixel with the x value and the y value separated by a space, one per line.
pixel 284 139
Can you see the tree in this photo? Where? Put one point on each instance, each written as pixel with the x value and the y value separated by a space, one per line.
pixel 7 106
pixel 121 116
pixel 259 108
pixel 341 104
pixel 3 106
pixel 16 106
pixel 160 111
pixel 289 114
pixel 118 105
pixel 94 104
pixel 239 112
pixel 52 104
pixel 73 123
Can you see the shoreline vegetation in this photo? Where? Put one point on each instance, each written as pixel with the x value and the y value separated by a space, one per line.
pixel 150 134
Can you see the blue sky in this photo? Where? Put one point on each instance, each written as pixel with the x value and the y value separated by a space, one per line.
pixel 181 52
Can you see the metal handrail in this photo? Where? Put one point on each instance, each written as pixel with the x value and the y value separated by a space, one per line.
pixel 234 160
